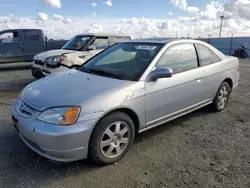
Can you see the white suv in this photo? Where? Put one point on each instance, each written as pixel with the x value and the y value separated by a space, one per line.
pixel 74 53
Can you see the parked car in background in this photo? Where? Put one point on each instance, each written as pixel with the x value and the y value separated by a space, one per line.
pixel 20 45
pixel 74 53
pixel 128 88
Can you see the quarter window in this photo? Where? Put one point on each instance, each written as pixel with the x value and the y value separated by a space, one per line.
pixel 100 43
pixel 206 56
pixel 179 58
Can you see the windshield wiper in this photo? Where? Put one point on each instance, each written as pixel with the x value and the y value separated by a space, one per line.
pixel 84 69
pixel 102 72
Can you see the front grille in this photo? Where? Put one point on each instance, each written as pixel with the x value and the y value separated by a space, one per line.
pixel 39 62
pixel 51 66
pixel 23 109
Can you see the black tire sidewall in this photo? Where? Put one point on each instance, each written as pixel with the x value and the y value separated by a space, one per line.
pixel 243 54
pixel 215 102
pixel 94 146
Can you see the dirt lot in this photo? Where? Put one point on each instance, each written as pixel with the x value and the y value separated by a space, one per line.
pixel 203 149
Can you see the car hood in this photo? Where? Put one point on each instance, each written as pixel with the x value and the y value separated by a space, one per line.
pixel 42 56
pixel 70 88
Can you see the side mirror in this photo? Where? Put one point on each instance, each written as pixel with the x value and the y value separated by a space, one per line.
pixel 159 73
pixel 91 47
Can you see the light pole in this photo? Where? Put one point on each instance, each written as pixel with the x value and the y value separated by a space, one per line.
pixel 221 17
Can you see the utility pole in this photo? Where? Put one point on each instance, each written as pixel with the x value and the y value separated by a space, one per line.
pixel 176 34
pixel 221 17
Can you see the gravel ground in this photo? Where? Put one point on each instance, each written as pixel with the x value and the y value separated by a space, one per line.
pixel 202 149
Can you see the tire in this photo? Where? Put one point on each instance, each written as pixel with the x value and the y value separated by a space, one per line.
pixel 243 54
pixel 107 145
pixel 222 97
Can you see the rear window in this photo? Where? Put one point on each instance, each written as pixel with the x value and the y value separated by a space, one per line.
pixel 206 56
pixel 76 43
pixel 31 35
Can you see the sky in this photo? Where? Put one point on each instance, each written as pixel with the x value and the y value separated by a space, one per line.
pixel 138 18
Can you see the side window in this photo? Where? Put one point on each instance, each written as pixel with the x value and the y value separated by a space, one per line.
pixel 10 37
pixel 180 58
pixel 100 43
pixel 31 35
pixel 206 56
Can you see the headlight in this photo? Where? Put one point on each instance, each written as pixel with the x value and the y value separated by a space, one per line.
pixel 53 60
pixel 60 116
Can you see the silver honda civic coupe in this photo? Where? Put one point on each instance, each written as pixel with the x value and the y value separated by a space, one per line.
pixel 128 88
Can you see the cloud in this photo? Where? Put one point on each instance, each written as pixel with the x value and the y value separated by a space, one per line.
pixel 108 3
pixel 188 19
pixel 181 4
pixel 237 8
pixel 170 14
pixel 94 14
pixel 58 17
pixel 42 16
pixel 203 23
pixel 67 20
pixel 211 11
pixel 53 3
pixel 94 4
pixel 192 9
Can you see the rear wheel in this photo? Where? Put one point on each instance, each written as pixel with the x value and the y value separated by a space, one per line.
pixel 243 54
pixel 111 138
pixel 222 96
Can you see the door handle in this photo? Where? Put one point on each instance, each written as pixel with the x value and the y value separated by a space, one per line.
pixel 198 79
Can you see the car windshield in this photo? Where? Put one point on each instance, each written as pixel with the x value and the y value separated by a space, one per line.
pixel 76 43
pixel 126 61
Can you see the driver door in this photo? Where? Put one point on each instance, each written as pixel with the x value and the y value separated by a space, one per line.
pixel 167 98
pixel 11 46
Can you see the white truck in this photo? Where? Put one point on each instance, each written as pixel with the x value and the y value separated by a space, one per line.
pixel 74 53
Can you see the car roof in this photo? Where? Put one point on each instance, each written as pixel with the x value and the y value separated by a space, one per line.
pixel 102 35
pixel 13 30
pixel 161 40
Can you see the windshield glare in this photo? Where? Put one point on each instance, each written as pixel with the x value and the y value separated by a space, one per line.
pixel 76 43
pixel 127 60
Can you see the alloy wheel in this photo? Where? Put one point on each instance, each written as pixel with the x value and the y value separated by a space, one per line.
pixel 115 139
pixel 223 97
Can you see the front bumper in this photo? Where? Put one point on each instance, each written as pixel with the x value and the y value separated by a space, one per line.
pixel 58 143
pixel 40 71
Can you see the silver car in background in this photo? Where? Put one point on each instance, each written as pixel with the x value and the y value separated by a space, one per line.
pixel 128 88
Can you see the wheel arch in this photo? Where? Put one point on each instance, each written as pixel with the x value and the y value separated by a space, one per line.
pixel 131 113
pixel 230 82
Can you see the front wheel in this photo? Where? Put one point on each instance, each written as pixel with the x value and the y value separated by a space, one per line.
pixel 222 96
pixel 111 138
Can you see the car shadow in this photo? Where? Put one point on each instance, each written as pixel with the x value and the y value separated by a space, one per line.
pixel 28 168
pixel 172 124
pixel 22 166
pixel 10 67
